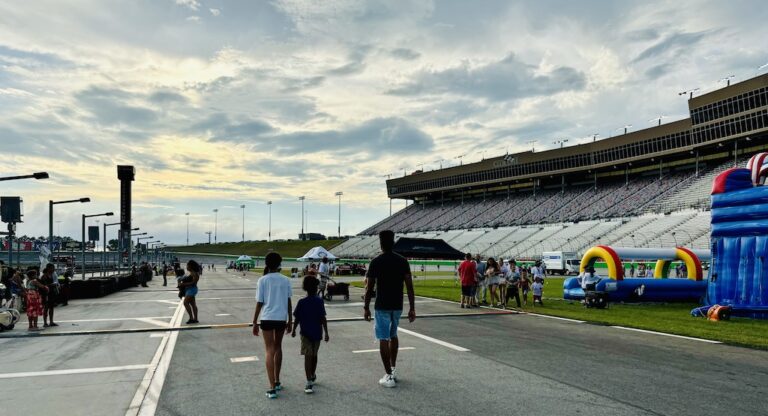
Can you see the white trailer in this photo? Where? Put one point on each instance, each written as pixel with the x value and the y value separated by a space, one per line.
pixel 556 262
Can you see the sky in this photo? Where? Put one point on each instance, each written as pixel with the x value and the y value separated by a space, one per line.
pixel 221 103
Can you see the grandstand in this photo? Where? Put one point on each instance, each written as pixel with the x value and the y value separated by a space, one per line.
pixel 648 188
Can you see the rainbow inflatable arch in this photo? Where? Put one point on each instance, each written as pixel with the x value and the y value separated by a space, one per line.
pixel 658 289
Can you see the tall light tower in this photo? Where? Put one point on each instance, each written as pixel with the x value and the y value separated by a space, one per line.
pixel 301 198
pixel 187 214
pixel 269 236
pixel 243 208
pixel 215 226
pixel 339 194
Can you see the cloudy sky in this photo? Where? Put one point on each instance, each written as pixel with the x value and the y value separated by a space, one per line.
pixel 221 103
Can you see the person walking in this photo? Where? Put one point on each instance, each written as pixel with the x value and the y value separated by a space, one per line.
pixel 481 290
pixel 324 272
pixel 32 289
pixel 513 284
pixel 387 273
pixel 504 277
pixel 310 316
pixel 189 286
pixel 165 274
pixel 273 306
pixel 492 273
pixel 48 297
pixel 468 278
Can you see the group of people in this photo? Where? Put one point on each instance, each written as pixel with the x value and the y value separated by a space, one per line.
pixel 37 293
pixel 387 276
pixel 503 280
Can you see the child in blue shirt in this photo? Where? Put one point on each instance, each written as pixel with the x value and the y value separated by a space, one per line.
pixel 310 315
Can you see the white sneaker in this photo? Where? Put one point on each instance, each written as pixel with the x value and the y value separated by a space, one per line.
pixel 387 381
pixel 394 373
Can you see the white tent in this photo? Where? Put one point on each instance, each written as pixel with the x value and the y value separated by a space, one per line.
pixel 317 253
pixel 244 258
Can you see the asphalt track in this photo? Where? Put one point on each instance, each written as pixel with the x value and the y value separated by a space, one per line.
pixel 130 354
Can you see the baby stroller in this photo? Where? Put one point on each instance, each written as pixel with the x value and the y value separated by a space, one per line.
pixel 331 288
pixel 8 317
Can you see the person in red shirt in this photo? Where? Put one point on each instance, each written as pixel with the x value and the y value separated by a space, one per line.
pixel 468 279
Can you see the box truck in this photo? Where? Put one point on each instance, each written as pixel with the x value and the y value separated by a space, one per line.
pixel 560 262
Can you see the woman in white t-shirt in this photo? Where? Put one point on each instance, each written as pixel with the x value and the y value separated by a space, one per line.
pixel 273 306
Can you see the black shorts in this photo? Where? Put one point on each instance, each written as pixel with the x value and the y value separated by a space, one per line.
pixel 273 325
pixel 466 290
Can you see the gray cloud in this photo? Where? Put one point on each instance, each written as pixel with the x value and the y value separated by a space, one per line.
pixel 405 54
pixel 30 59
pixel 507 79
pixel 388 135
pixel 674 44
pixel 356 62
pixel 106 105
pixel 167 97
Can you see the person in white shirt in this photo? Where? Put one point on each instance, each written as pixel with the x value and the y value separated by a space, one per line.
pixel 589 279
pixel 538 272
pixel 324 272
pixel 273 306
pixel 506 274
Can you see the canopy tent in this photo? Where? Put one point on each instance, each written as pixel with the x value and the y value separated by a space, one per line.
pixel 426 248
pixel 245 260
pixel 316 254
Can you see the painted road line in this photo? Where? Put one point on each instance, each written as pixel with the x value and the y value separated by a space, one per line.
pixel 361 304
pixel 74 371
pixel 223 314
pixel 556 317
pixel 145 399
pixel 112 319
pixel 376 350
pixel 244 359
pixel 156 335
pixel 153 322
pixel 709 341
pixel 434 340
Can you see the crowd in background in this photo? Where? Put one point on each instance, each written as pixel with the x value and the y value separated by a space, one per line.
pixel 500 281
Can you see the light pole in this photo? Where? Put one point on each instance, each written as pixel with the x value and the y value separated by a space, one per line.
pixel 187 214
pixel 36 175
pixel 243 208
pixel 209 236
pixel 339 194
pixel 301 198
pixel 215 226
pixel 269 236
pixel 130 249
pixel 105 214
pixel 138 243
pixel 50 217
pixel 104 252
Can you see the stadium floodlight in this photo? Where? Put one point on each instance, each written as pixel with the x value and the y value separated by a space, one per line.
pixel 689 92
pixel 533 145
pixel 727 80
pixel 440 161
pixel 36 175
pixel 659 118
pixel 561 142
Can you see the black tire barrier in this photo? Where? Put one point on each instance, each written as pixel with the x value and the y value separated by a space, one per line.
pixel 99 287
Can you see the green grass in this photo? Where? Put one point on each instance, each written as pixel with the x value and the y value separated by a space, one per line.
pixel 259 248
pixel 673 318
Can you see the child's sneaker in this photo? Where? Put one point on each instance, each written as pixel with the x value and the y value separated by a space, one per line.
pixel 278 386
pixel 394 374
pixel 308 388
pixel 313 378
pixel 271 394
pixel 388 381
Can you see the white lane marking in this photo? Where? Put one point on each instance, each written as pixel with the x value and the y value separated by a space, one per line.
pixel 118 319
pixel 172 302
pixel 152 321
pixel 223 314
pixel 147 395
pixel 709 341
pixel 556 317
pixel 74 371
pixel 156 335
pixel 360 304
pixel 376 350
pixel 433 340
pixel 171 307
pixel 244 359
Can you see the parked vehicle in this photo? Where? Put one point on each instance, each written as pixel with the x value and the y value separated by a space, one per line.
pixel 555 262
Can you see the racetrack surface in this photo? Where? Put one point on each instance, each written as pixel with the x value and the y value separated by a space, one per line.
pixel 131 353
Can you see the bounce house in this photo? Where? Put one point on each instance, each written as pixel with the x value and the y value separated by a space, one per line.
pixel 658 289
pixel 739 272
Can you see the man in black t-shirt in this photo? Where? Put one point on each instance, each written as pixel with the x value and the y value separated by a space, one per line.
pixel 387 274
